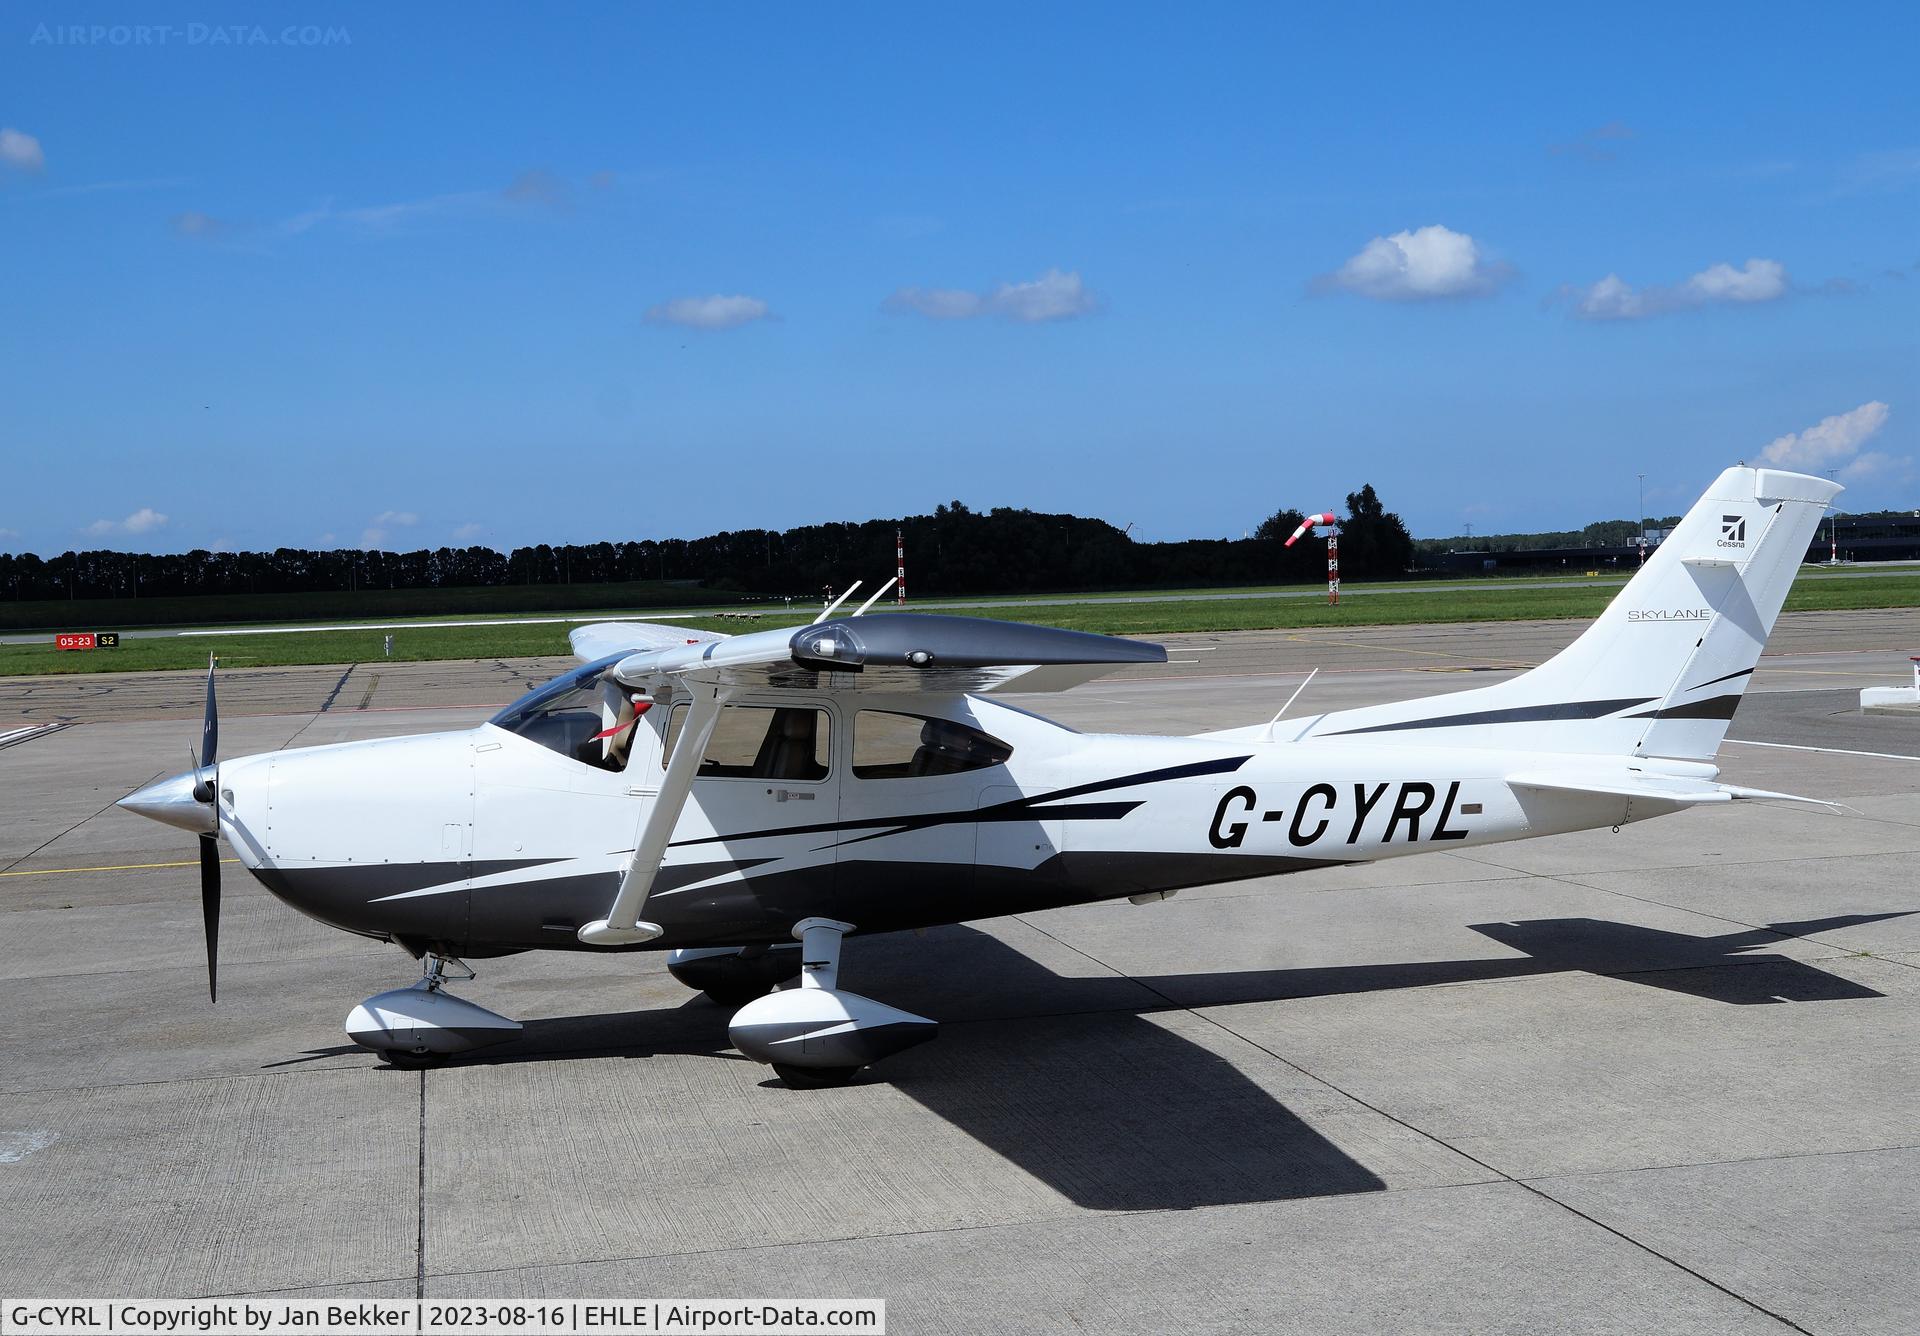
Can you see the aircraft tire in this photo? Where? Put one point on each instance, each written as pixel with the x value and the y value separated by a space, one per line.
pixel 814 1078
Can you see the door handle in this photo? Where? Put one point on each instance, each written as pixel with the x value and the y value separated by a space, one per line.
pixel 792 795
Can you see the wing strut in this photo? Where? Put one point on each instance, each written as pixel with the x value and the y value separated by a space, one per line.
pixel 622 925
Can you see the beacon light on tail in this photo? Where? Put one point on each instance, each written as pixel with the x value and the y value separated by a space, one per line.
pixel 860 775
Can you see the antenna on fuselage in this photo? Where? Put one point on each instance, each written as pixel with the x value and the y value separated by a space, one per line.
pixel 1289 705
pixel 876 596
pixel 827 611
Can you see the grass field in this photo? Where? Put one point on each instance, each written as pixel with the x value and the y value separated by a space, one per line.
pixel 359 606
pixel 1359 606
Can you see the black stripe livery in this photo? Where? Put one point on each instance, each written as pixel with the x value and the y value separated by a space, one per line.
pixel 1007 811
pixel 1517 714
pixel 1718 680
pixel 1714 707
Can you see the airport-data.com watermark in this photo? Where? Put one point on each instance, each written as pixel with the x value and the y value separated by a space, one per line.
pixel 188 34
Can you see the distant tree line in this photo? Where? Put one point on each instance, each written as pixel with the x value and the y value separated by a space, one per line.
pixel 952 551
pixel 1601 533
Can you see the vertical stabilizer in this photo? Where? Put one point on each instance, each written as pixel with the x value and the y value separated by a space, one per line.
pixel 1660 671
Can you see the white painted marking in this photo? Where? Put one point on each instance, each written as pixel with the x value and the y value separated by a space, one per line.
pixel 1836 751
pixel 15 1146
pixel 432 626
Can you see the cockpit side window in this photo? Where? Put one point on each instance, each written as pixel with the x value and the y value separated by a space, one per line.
pixel 891 745
pixel 577 715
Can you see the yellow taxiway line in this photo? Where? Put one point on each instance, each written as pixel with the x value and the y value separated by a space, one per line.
pixel 116 867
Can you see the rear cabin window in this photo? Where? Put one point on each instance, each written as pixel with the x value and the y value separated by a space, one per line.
pixel 890 745
pixel 761 742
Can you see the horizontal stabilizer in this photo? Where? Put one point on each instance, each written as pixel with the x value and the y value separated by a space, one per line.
pixel 1678 790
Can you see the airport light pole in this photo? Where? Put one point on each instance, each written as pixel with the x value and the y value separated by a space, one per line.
pixel 1641 536
pixel 1833 528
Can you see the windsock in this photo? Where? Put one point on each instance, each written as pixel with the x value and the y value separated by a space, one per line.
pixel 1308 523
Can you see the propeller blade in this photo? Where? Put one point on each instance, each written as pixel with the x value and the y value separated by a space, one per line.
pixel 210 907
pixel 210 725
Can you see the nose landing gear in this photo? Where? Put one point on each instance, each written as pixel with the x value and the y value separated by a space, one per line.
pixel 424 1021
pixel 816 1035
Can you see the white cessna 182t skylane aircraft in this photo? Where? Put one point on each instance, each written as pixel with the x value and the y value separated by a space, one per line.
pixel 721 797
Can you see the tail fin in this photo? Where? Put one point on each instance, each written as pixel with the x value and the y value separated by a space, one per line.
pixel 1661 670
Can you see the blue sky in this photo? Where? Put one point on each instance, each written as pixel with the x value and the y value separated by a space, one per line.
pixel 481 273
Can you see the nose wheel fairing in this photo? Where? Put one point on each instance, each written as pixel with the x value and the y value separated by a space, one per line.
pixel 424 1020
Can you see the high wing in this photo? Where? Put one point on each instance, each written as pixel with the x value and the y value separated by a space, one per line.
pixel 896 653
pixel 604 639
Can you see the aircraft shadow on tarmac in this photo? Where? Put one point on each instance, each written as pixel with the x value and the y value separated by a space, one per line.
pixel 1652 957
pixel 1074 1081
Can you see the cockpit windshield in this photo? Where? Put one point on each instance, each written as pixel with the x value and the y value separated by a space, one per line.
pixel 568 715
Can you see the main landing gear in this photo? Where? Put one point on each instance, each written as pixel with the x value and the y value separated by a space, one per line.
pixel 424 1022
pixel 816 1035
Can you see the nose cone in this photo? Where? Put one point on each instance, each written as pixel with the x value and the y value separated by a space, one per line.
pixel 171 802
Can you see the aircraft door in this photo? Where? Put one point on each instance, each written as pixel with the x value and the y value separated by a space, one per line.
pixel 755 841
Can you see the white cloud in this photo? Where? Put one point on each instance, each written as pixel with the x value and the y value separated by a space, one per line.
pixel 144 520
pixel 1877 464
pixel 1613 298
pixel 1834 443
pixel 21 150
pixel 466 533
pixel 1427 263
pixel 1052 296
pixel 402 517
pixel 715 312
pixel 1758 281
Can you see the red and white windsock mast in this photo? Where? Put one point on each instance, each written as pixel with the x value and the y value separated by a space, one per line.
pixel 1332 526
pixel 900 568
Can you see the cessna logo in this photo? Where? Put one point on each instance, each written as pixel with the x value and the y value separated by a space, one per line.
pixel 1670 615
pixel 1733 531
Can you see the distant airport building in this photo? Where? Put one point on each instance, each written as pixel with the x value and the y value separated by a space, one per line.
pixel 1895 538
